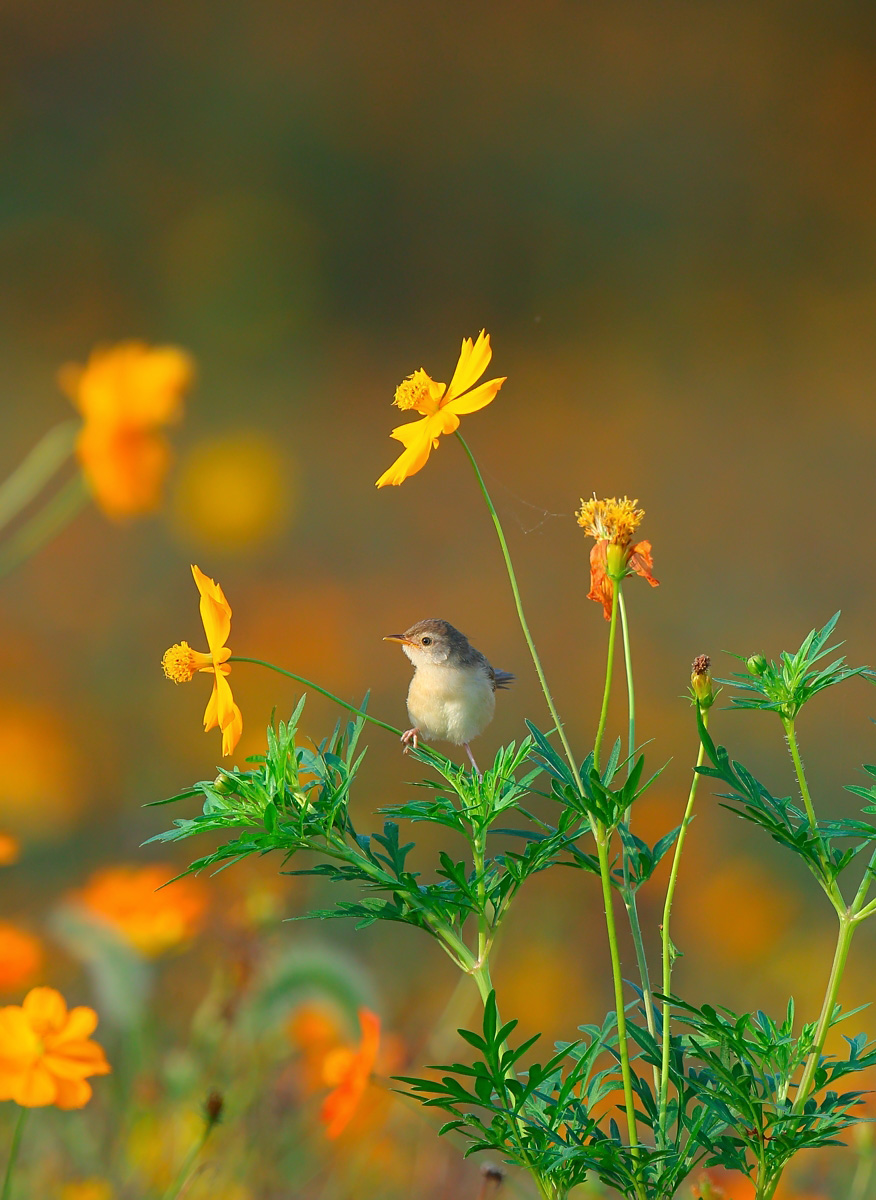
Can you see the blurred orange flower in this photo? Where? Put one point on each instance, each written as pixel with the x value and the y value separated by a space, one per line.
pixel 10 850
pixel 21 957
pixel 349 1071
pixel 440 406
pixel 153 921
pixel 181 662
pixel 45 1051
pixel 612 523
pixel 125 394
pixel 88 1189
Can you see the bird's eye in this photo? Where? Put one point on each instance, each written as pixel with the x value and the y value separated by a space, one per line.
pixel 427 641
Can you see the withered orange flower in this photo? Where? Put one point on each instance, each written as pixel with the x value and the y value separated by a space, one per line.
pixel 133 900
pixel 126 393
pixel 349 1071
pixel 21 957
pixel 181 662
pixel 612 523
pixel 441 407
pixel 46 1054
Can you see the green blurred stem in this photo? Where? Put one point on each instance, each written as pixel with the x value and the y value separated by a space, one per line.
pixel 609 666
pixel 13 1154
pixel 191 1158
pixel 521 616
pixel 36 469
pixel 830 885
pixel 44 525
pixel 665 938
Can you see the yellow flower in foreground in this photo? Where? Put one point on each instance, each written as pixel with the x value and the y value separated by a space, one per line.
pixel 440 406
pixel 45 1052
pixel 181 662
pixel 133 900
pixel 125 394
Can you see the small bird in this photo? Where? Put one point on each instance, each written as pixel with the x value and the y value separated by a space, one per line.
pixel 452 697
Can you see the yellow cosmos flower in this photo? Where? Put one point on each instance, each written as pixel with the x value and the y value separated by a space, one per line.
pixel 441 407
pixel 46 1053
pixel 181 662
pixel 125 394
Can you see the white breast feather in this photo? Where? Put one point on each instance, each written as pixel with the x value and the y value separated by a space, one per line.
pixel 451 704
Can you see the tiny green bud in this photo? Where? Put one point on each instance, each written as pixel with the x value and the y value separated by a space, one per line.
pixel 223 785
pixel 756 664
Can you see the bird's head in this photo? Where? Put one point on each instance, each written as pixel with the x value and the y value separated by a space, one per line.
pixel 433 642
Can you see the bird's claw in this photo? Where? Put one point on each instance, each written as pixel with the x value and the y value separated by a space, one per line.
pixel 410 737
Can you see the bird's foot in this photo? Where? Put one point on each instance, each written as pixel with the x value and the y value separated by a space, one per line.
pixel 410 737
pixel 471 759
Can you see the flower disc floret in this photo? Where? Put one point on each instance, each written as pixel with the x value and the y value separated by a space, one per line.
pixel 611 520
pixel 181 662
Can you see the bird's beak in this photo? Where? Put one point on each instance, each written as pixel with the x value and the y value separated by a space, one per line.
pixel 398 637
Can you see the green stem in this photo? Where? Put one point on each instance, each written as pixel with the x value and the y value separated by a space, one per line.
pixel 830 885
pixel 617 979
pixel 44 525
pixel 521 616
pixel 609 665
pixel 260 662
pixel 628 663
pixel 13 1154
pixel 36 469
pixel 666 943
pixel 191 1158
pixel 847 925
pixel 629 893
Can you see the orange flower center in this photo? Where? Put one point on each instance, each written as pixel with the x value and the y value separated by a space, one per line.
pixel 418 392
pixel 181 662
pixel 611 520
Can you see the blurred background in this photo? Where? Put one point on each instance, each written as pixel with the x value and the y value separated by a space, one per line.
pixel 664 216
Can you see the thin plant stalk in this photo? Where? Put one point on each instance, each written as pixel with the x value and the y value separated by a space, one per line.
pixel 609 669
pixel 191 1158
pixel 830 885
pixel 666 943
pixel 14 1146
pixel 36 469
pixel 521 616
pixel 629 893
pixel 847 926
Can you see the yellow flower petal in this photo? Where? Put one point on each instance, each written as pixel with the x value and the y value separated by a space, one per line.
pixel 479 397
pixel 473 361
pixel 215 611
pixel 35 1087
pixel 45 1009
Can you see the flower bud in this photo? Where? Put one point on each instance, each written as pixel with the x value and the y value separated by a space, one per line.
pixel 756 664
pixel 213 1106
pixel 701 681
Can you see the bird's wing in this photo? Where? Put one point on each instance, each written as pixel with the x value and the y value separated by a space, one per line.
pixel 501 679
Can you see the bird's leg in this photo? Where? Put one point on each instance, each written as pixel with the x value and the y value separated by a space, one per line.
pixel 410 737
pixel 471 759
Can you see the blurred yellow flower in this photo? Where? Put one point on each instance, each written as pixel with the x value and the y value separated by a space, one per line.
pixel 40 784
pixel 440 406
pixel 46 1054
pixel 21 957
pixel 10 850
pixel 234 492
pixel 349 1071
pixel 125 394
pixel 87 1189
pixel 181 662
pixel 153 921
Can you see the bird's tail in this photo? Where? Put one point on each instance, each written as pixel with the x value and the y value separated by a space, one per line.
pixel 502 678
